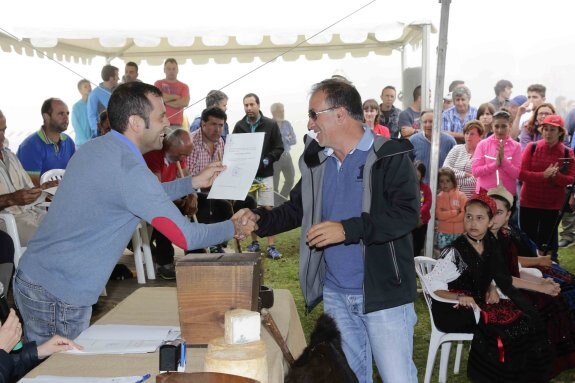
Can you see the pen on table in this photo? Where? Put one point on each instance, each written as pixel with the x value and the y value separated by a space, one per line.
pixel 143 378
pixel 183 355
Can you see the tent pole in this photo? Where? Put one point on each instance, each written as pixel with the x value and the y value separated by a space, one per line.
pixel 438 107
pixel 403 63
pixel 425 88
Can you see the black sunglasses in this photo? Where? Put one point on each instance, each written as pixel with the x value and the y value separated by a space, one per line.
pixel 314 115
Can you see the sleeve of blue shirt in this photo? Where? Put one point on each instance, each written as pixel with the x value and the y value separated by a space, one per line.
pixel 93 113
pixel 404 120
pixel 146 198
pixel 31 156
pixel 445 123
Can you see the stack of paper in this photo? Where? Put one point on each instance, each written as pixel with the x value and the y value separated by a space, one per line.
pixel 68 379
pixel 124 339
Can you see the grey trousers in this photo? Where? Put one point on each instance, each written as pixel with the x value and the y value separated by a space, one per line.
pixel 283 165
pixel 568 224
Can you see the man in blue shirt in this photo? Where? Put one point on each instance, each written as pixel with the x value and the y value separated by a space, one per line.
pixel 357 203
pixel 48 148
pixel 80 114
pixel 100 96
pixel 106 192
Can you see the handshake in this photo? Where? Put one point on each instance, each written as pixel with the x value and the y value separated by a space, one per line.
pixel 244 223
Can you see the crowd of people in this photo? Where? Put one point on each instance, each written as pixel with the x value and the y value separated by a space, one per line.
pixel 363 204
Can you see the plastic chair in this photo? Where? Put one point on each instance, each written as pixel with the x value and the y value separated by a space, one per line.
pixel 424 265
pixel 12 231
pixel 52 175
pixel 143 253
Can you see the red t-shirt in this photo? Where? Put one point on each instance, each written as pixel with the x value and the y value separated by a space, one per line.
pixel 157 163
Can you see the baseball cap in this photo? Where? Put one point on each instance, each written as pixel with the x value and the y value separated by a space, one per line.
pixel 518 100
pixel 448 96
pixel 553 119
pixel 501 192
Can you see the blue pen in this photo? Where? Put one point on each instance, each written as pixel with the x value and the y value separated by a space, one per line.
pixel 183 356
pixel 143 378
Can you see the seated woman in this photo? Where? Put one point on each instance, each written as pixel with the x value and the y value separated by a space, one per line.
pixel 14 366
pixel 553 310
pixel 509 343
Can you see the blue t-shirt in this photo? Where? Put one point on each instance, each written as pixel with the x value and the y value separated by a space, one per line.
pixel 38 154
pixel 342 194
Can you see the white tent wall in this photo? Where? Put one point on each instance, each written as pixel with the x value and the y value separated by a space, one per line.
pixel 369 62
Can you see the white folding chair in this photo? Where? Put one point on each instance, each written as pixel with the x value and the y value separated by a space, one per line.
pixel 424 265
pixel 143 253
pixel 52 175
pixel 12 231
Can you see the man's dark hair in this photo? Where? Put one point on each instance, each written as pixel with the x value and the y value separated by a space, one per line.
pixel 537 88
pixel 103 116
pixel 388 87
pixel 252 95
pixel 130 99
pixel 341 94
pixel 214 97
pixel 47 106
pixel 131 63
pixel 501 85
pixel 108 71
pixel 416 92
pixel 215 112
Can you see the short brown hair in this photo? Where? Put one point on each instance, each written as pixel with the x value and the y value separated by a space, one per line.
pixel 474 124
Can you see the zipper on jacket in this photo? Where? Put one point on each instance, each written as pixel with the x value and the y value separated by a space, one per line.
pixel 307 308
pixel 394 258
pixel 391 247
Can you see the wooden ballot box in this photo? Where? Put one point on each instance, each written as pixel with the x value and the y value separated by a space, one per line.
pixel 209 285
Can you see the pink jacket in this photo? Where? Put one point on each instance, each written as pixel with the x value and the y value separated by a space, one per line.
pixel 449 211
pixel 484 165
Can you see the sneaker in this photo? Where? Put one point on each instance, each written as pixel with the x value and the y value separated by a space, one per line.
pixel 218 249
pixel 254 247
pixel 566 243
pixel 273 253
pixel 167 272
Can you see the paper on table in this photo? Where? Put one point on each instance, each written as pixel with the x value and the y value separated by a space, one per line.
pixel 123 339
pixel 242 157
pixel 77 379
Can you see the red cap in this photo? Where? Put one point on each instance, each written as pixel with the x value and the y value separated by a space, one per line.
pixel 483 197
pixel 553 119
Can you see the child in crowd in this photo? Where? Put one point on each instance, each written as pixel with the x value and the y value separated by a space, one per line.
pixel 449 208
pixel 418 233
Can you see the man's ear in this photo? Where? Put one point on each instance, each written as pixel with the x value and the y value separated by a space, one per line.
pixel 135 123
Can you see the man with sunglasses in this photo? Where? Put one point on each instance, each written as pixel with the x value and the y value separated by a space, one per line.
pixel 357 203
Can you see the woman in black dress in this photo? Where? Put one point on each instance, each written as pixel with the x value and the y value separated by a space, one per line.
pixel 510 342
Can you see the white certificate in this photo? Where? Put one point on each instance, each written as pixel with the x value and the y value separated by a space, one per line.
pixel 242 157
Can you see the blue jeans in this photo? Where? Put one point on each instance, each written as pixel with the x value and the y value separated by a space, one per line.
pixel 44 315
pixel 387 334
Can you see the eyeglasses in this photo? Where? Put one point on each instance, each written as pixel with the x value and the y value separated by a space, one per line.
pixel 314 115
pixel 502 113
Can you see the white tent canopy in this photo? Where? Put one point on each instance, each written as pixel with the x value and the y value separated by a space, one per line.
pixel 68 31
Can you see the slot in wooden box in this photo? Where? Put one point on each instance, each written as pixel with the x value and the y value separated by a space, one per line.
pixel 209 285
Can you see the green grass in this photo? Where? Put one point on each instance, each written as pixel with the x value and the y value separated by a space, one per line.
pixel 283 274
